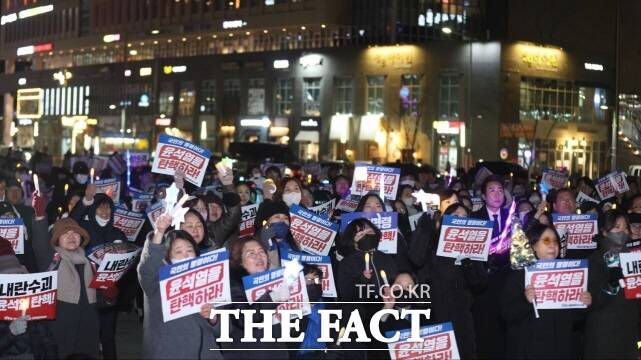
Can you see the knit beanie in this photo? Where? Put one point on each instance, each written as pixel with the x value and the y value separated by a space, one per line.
pixel 268 209
pixel 64 225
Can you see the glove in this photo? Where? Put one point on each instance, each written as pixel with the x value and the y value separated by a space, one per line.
pixel 614 275
pixel 39 204
pixel 18 326
pixel 279 294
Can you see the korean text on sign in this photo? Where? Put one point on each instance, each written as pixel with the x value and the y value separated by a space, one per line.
pixel 112 268
pixel 33 295
pixel 386 222
pixel 314 233
pixel 391 177
pixel 631 266
pixel 173 154
pixel 465 237
pixel 611 184
pixel 258 285
pixel 154 211
pixel 558 283
pixel 109 187
pixel 185 286
pixel 324 209
pixel 554 179
pixel 248 216
pixel 14 231
pixel 324 263
pixel 438 342
pixel 140 200
pixel 581 229
pixel 128 222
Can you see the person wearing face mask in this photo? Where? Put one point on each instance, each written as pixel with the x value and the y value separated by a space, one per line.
pixel 452 287
pixel 289 191
pixel 79 176
pixel 189 337
pixel 524 207
pixel 223 215
pixel 551 335
pixel 612 325
pixel 272 227
pixel 95 214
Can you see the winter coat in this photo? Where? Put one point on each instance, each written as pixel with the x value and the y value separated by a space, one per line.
pixel 37 342
pixel 189 337
pixel 452 287
pixel 612 324
pixel 548 337
pixel 278 350
pixel 227 225
pixel 28 259
pixel 85 216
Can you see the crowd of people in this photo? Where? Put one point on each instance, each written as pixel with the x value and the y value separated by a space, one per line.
pixel 488 302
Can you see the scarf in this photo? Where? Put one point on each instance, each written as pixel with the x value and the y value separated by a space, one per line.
pixel 69 279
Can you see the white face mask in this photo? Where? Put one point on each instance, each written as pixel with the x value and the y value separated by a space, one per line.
pixel 81 178
pixel 292 198
pixel 174 261
pixel 102 222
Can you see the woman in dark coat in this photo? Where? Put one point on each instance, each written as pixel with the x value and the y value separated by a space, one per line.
pixel 355 283
pixel 249 257
pixel 549 336
pixel 612 325
pixel 452 286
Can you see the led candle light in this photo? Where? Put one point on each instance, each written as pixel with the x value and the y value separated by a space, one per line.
pixel 91 173
pixel 36 184
pixel 340 335
pixel 385 282
pixel 367 262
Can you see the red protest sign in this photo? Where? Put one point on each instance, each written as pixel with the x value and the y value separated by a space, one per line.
pixel 248 215
pixel 173 154
pixel 558 284
pixel 313 233
pixel 13 230
pixel 33 295
pixel 112 268
pixel 631 267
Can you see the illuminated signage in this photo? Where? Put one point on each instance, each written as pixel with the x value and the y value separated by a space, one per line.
pixel 6 19
pixel 163 121
pixel 447 127
pixel 313 123
pixel 174 69
pixel 592 66
pixel 145 71
pixel 234 24
pixel 281 64
pixel 9 18
pixel 32 49
pixel 111 38
pixel 264 122
pixel 29 103
pixel 311 60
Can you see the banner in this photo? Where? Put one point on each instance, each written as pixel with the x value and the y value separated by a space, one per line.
pixel 558 283
pixel 631 266
pixel 246 227
pixel 464 237
pixel 137 159
pixel 581 229
pixel 324 209
pixel 187 285
pixel 611 184
pixel 581 198
pixel 372 180
pixel 128 222
pixel 109 187
pixel 347 205
pixel 260 284
pixel 140 200
pixel 98 252
pixel 112 268
pixel 154 211
pixel 554 179
pixel 324 263
pixel 313 233
pixel 33 295
pixel 438 342
pixel 386 222
pixel 173 154
pixel 477 203
pixel 14 231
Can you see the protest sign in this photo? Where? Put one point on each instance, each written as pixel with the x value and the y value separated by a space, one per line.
pixel 98 252
pixel 324 263
pixel 631 267
pixel 33 295
pixel 137 159
pixel 581 229
pixel 109 187
pixel 112 268
pixel 313 233
pixel 248 216
pixel 554 179
pixel 187 285
pixel 140 200
pixel 477 203
pixel 386 222
pixel 370 180
pixel 258 285
pixel 173 154
pixel 465 238
pixel 324 209
pixel 558 284
pixel 611 184
pixel 154 211
pixel 128 222
pixel 347 205
pixel 14 231
pixel 582 197
pixel 438 342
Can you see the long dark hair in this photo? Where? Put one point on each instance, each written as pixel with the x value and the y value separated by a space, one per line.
pixel 345 242
pixel 206 243
pixel 608 220
pixel 361 204
pixel 171 236
pixel 535 232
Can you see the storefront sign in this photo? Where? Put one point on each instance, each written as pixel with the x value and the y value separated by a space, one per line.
pixel 310 123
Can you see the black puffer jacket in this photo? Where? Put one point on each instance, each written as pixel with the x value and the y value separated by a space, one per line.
pixel 86 217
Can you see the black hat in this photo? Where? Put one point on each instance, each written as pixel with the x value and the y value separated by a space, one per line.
pixel 268 209
pixel 80 167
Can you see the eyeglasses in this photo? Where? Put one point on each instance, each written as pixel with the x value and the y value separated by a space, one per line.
pixel 548 241
pixel 254 253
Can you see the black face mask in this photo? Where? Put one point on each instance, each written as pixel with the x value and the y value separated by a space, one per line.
pixel 314 292
pixel 367 243
pixel 406 300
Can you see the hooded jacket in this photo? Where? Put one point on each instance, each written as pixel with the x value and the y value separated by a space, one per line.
pixel 85 215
